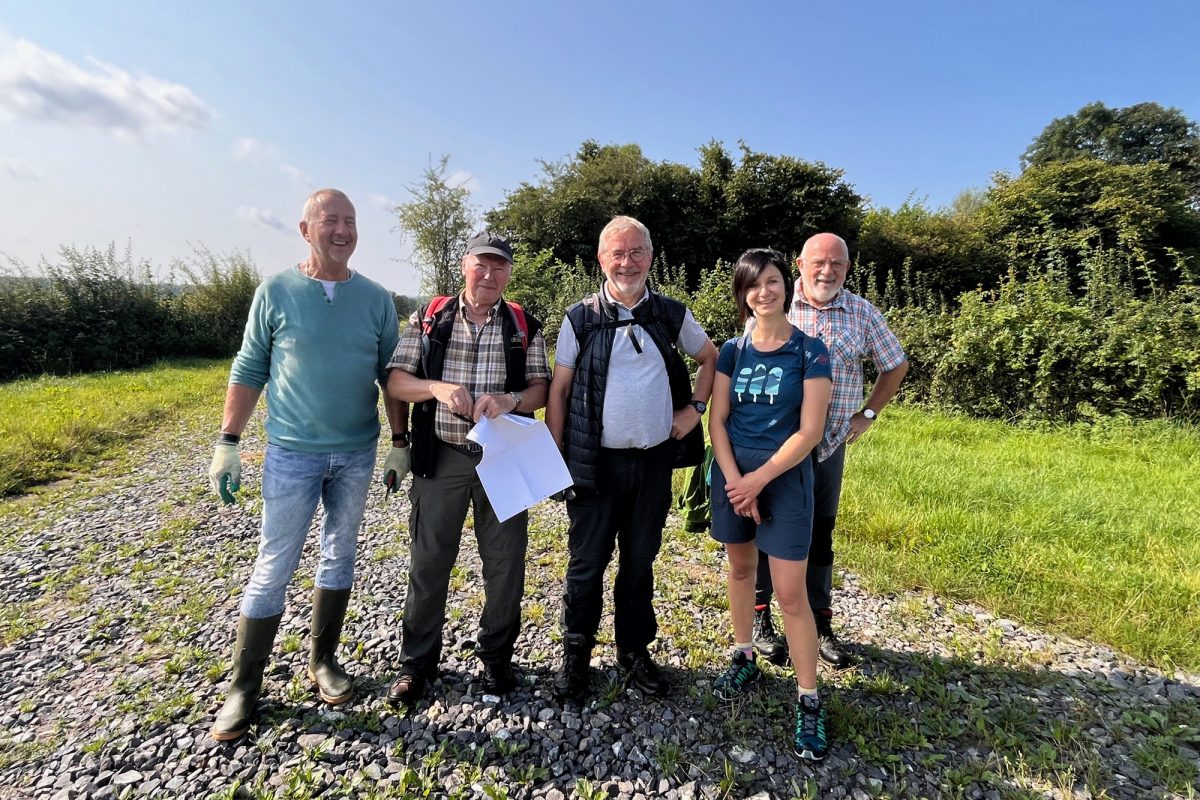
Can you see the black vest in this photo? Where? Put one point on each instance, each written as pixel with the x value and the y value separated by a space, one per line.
pixel 433 357
pixel 594 322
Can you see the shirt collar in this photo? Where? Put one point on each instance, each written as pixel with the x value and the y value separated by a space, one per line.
pixel 608 297
pixel 838 301
pixel 462 307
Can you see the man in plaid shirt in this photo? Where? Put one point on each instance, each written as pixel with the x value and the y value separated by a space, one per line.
pixel 475 356
pixel 854 330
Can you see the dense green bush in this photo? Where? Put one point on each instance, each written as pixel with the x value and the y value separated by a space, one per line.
pixel 97 310
pixel 1034 349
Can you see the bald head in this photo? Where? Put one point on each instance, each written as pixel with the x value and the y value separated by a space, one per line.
pixel 319 198
pixel 824 263
pixel 824 242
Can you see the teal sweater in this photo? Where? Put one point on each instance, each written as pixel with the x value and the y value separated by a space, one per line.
pixel 319 359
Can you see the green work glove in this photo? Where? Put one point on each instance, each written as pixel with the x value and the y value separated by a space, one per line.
pixel 395 467
pixel 225 474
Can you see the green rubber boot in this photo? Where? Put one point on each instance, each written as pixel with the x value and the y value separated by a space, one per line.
pixel 255 638
pixel 328 614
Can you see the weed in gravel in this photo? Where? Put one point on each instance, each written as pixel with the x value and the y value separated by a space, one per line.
pixel 668 754
pixel 586 790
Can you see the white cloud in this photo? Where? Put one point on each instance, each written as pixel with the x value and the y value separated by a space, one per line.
pixel 19 170
pixel 262 217
pixel 248 149
pixel 297 175
pixel 464 179
pixel 382 201
pixel 42 86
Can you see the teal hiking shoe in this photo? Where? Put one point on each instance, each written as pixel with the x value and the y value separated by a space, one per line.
pixel 743 673
pixel 811 743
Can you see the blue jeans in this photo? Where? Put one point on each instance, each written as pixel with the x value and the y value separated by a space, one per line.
pixel 292 483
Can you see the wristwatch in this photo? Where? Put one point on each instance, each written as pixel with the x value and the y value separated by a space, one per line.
pixel 869 413
pixel 400 439
pixel 699 405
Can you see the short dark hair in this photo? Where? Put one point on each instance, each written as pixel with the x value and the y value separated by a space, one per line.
pixel 749 266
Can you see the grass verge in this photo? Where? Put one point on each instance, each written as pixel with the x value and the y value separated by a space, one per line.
pixel 50 427
pixel 1086 530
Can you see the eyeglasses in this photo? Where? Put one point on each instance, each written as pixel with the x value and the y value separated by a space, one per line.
pixel 636 255
pixel 821 263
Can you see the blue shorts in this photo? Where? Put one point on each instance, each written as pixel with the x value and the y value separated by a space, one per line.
pixel 785 504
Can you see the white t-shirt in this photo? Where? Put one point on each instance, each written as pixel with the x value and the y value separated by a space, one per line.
pixel 637 396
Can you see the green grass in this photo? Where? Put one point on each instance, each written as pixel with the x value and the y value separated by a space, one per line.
pixel 51 427
pixel 1090 531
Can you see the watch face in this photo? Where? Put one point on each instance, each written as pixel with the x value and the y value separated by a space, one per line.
pixel 868 413
pixel 700 406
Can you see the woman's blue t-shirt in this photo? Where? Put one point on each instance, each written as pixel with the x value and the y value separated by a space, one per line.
pixel 766 390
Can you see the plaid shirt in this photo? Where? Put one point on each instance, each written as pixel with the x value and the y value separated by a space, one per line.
pixel 474 359
pixel 854 331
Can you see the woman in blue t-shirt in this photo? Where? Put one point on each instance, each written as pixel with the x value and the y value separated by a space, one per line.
pixel 768 410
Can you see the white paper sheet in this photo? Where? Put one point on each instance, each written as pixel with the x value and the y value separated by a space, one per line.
pixel 521 465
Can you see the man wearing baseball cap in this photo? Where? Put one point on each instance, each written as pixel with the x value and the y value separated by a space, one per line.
pixel 465 357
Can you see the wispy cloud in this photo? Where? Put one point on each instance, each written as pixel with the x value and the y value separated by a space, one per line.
pixel 247 149
pixel 297 175
pixel 43 86
pixel 19 170
pixel 262 217
pixel 382 201
pixel 464 179
pixel 253 151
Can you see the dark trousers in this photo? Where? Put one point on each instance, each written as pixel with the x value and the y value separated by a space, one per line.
pixel 827 491
pixel 439 509
pixel 628 512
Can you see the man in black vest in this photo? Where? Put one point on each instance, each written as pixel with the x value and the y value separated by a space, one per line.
pixel 469 357
pixel 622 408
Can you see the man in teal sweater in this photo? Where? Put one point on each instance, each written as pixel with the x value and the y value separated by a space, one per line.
pixel 318 337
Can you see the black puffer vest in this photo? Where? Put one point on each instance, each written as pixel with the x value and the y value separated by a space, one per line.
pixel 594 322
pixel 433 347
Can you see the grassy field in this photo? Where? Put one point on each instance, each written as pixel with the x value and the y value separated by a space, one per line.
pixel 1089 531
pixel 51 427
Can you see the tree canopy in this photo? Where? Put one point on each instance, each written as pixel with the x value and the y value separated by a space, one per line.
pixel 438 221
pixel 1145 133
pixel 696 216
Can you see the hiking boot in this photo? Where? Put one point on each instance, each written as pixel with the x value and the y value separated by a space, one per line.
pixel 255 638
pixel 810 742
pixel 498 677
pixel 743 673
pixel 328 614
pixel 828 646
pixel 408 688
pixel 771 644
pixel 571 682
pixel 642 672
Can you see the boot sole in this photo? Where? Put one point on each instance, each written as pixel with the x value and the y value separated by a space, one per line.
pixel 332 700
pixel 228 736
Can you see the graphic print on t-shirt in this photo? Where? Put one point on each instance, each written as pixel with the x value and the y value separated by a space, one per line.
pixel 758 382
pixel 771 387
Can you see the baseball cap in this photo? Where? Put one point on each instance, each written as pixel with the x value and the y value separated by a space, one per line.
pixel 488 242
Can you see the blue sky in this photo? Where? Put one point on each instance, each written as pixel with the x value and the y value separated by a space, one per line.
pixel 171 124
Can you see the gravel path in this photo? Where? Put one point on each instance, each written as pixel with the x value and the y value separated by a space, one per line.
pixel 120 601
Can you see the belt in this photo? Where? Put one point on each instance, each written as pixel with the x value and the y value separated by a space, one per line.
pixel 466 448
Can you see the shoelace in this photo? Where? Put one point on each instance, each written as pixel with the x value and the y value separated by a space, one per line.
pixel 739 674
pixel 810 723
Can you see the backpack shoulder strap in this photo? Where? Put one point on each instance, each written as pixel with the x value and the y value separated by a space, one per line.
pixel 518 315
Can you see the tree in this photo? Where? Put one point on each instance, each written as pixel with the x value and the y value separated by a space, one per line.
pixel 696 216
pixel 438 221
pixel 1145 133
pixel 1057 214
pixel 931 256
